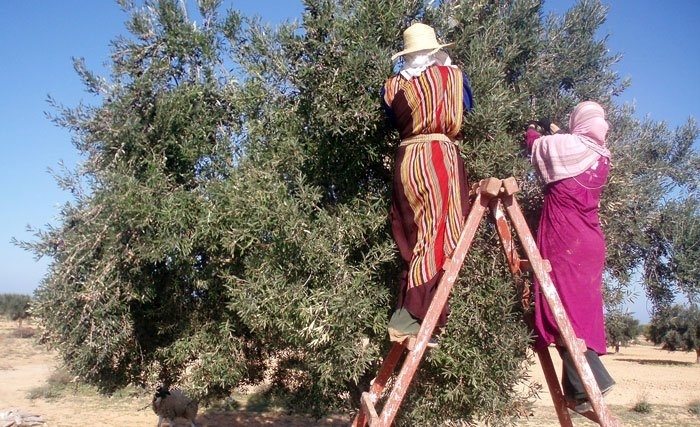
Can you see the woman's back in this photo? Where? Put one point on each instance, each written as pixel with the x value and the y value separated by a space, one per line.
pixel 429 103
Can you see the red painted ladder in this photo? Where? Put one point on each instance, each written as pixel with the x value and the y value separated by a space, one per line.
pixel 499 197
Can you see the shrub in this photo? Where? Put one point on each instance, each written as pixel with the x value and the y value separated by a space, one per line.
pixel 642 406
pixel 23 332
pixel 694 407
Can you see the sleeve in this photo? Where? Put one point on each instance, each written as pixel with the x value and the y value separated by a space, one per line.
pixel 530 136
pixel 387 108
pixel 468 93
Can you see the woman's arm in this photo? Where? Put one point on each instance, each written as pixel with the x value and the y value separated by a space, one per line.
pixel 530 136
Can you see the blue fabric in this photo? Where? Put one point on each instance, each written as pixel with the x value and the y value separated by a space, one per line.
pixel 468 93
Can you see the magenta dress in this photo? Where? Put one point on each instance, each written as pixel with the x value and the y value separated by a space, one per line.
pixel 570 237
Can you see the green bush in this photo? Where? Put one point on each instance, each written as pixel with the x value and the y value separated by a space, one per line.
pixel 642 407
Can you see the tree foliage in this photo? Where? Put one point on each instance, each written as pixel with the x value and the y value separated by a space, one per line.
pixel 677 328
pixel 231 208
pixel 621 328
pixel 15 307
pixel 672 266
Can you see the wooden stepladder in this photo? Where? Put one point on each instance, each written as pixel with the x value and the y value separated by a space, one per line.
pixel 499 197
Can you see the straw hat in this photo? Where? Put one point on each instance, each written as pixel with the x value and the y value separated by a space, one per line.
pixel 419 37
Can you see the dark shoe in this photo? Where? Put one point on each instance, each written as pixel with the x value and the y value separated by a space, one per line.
pixel 584 405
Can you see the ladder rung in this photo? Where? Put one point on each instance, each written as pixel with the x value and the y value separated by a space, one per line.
pixel 588 413
pixel 368 409
pixel 525 265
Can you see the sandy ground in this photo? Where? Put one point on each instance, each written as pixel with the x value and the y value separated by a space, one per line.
pixel 668 382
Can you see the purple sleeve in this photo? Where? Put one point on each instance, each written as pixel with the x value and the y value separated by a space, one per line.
pixel 530 136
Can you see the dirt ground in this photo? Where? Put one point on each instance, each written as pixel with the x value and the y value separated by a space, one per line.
pixel 669 383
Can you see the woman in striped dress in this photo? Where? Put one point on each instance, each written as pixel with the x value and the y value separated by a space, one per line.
pixel 425 102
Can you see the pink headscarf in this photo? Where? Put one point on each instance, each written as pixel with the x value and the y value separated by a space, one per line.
pixel 588 120
pixel 565 155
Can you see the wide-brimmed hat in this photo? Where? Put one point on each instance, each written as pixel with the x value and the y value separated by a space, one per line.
pixel 419 37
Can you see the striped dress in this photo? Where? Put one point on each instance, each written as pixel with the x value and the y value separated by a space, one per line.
pixel 430 197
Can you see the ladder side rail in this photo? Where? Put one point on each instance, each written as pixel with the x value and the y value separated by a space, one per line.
pixel 514 263
pixel 367 407
pixel 386 370
pixel 451 271
pixel 605 418
pixel 504 232
pixel 377 387
pixel 554 387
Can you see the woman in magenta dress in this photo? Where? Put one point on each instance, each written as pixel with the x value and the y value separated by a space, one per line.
pixel 425 101
pixel 574 168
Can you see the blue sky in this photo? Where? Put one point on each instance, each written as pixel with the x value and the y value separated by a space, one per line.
pixel 660 44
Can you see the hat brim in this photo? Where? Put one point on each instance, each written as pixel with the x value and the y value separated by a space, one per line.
pixel 428 52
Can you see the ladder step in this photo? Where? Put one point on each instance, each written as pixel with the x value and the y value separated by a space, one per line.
pixel 525 265
pixel 588 412
pixel 368 409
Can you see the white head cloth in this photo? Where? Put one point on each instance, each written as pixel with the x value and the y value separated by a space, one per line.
pixel 417 62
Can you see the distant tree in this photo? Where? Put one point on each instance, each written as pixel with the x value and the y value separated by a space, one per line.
pixel 15 307
pixel 620 329
pixel 677 328
pixel 232 204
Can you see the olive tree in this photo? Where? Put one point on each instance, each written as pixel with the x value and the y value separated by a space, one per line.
pixel 229 219
pixel 620 329
pixel 677 328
